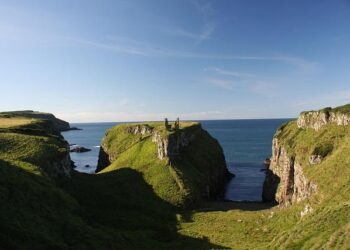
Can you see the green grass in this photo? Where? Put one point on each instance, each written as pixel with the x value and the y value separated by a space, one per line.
pixel 14 122
pixel 345 109
pixel 114 210
pixel 133 204
pixel 181 181
pixel 327 227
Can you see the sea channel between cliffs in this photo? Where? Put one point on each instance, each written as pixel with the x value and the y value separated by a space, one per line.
pixel 246 143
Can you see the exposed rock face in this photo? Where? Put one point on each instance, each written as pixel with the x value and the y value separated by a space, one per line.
pixel 285 182
pixel 186 159
pixel 60 168
pixel 172 145
pixel 142 129
pixel 79 149
pixel 103 159
pixel 168 147
pixel 317 119
pixel 307 210
pixel 315 159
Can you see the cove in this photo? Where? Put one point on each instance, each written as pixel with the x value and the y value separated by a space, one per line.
pixel 246 143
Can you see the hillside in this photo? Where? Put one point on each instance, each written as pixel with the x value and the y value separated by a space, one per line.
pixel 183 165
pixel 57 123
pixel 309 179
pixel 46 204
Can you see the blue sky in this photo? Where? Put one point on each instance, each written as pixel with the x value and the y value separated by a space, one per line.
pixel 122 60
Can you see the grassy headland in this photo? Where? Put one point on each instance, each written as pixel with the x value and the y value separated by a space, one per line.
pixel 125 206
pixel 184 174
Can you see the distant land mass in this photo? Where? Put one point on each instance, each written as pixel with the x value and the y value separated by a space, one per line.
pixel 57 123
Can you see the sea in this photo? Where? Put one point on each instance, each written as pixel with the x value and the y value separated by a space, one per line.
pixel 246 144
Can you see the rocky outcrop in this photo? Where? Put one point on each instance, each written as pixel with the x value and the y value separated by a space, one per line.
pixel 59 168
pixel 285 181
pixel 142 129
pixel 318 119
pixel 315 159
pixel 170 147
pixel 103 159
pixel 78 149
pixel 186 161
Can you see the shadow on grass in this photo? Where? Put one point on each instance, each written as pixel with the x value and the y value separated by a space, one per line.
pixel 121 201
pixel 116 210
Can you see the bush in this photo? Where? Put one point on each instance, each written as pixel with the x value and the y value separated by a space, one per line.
pixel 323 150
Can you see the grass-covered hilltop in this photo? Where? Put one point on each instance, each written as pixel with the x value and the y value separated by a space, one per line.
pixel 183 164
pixel 153 184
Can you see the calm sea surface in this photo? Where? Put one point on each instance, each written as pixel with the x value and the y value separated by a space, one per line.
pixel 246 144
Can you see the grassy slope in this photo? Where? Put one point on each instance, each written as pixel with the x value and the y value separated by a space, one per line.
pixel 33 211
pixel 85 212
pixel 118 209
pixel 327 226
pixel 179 182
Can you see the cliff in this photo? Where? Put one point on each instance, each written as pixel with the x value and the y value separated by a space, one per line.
pixel 47 205
pixel 318 119
pixel 184 166
pixel 285 181
pixel 299 145
pixel 59 124
pixel 33 140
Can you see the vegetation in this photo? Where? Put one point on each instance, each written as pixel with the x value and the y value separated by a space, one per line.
pixel 33 116
pixel 345 109
pixel 114 210
pixel 181 181
pixel 124 207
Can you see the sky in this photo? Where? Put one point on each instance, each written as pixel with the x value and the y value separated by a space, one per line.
pixel 133 60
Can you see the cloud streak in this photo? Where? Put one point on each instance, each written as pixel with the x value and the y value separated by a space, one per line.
pixel 205 33
pixel 206 12
pixel 134 48
pixel 228 72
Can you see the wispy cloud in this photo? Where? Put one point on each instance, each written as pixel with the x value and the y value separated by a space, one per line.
pixel 242 81
pixel 205 11
pixel 221 83
pixel 115 47
pixel 204 7
pixel 228 72
pixel 198 37
pixel 141 49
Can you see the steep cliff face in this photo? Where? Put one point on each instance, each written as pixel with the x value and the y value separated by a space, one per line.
pixel 285 181
pixel 171 146
pixel 183 165
pixel 300 145
pixel 318 119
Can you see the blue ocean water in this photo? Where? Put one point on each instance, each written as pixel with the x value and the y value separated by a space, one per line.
pixel 246 143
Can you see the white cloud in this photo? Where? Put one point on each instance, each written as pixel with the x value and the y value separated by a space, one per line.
pixel 228 72
pixel 198 37
pixel 222 83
